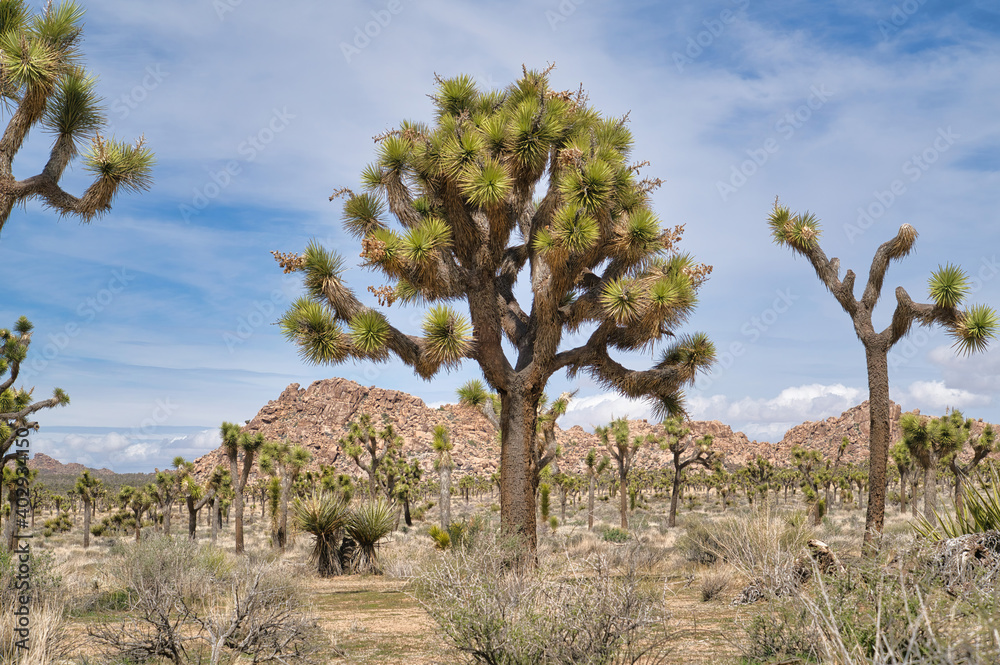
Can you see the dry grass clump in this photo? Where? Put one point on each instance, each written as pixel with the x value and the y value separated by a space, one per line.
pixel 495 610
pixel 714 584
pixel 888 612
pixel 763 545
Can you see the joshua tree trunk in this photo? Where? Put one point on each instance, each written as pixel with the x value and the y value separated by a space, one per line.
pixel 959 491
pixel 167 509
pixel 87 507
pixel 193 508
pixel 590 503
pixel 623 493
pixel 902 491
pixel 215 508
pixel 286 490
pixel 878 412
pixel 445 500
pixel 675 495
pixel 930 491
pixel 517 498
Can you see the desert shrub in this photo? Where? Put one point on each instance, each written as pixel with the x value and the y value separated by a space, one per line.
pixel 553 523
pixel 615 534
pixel 896 613
pixel 179 593
pixel 48 639
pixel 58 524
pixel 699 543
pixel 367 525
pixel 494 610
pixel 441 538
pixel 781 633
pixel 464 533
pixel 763 547
pixel 714 584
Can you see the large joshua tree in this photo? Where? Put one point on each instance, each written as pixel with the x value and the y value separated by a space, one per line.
pixel 522 181
pixel 972 328
pixel 43 82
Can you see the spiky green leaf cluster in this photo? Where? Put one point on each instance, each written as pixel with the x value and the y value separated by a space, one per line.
pixel 623 300
pixel 313 329
pixel 948 286
pixel 801 232
pixel 976 327
pixel 369 334
pixel 448 336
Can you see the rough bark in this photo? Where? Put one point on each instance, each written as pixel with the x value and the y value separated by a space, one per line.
pixel 590 503
pixel 930 490
pixel 623 496
pixel 675 492
pixel 517 499
pixel 87 507
pixel 445 500
pixel 879 408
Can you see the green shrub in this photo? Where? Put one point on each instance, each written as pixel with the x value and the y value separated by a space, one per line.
pixel 58 524
pixel 441 538
pixel 615 535
pixel 368 525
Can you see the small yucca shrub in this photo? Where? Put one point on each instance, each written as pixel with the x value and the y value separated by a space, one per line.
pixel 441 538
pixel 324 515
pixel 367 526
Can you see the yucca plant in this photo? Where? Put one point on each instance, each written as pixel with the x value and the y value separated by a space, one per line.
pixel 524 181
pixel 43 82
pixel 981 512
pixel 972 327
pixel 367 525
pixel 441 538
pixel 324 515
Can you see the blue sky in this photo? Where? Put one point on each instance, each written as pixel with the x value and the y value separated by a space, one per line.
pixel 156 319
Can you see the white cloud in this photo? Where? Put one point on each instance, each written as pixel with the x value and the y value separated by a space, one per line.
pixel 937 396
pixel 769 418
pixel 601 409
pixel 124 453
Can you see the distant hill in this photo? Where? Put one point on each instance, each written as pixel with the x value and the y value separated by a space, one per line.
pixel 60 478
pixel 318 416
